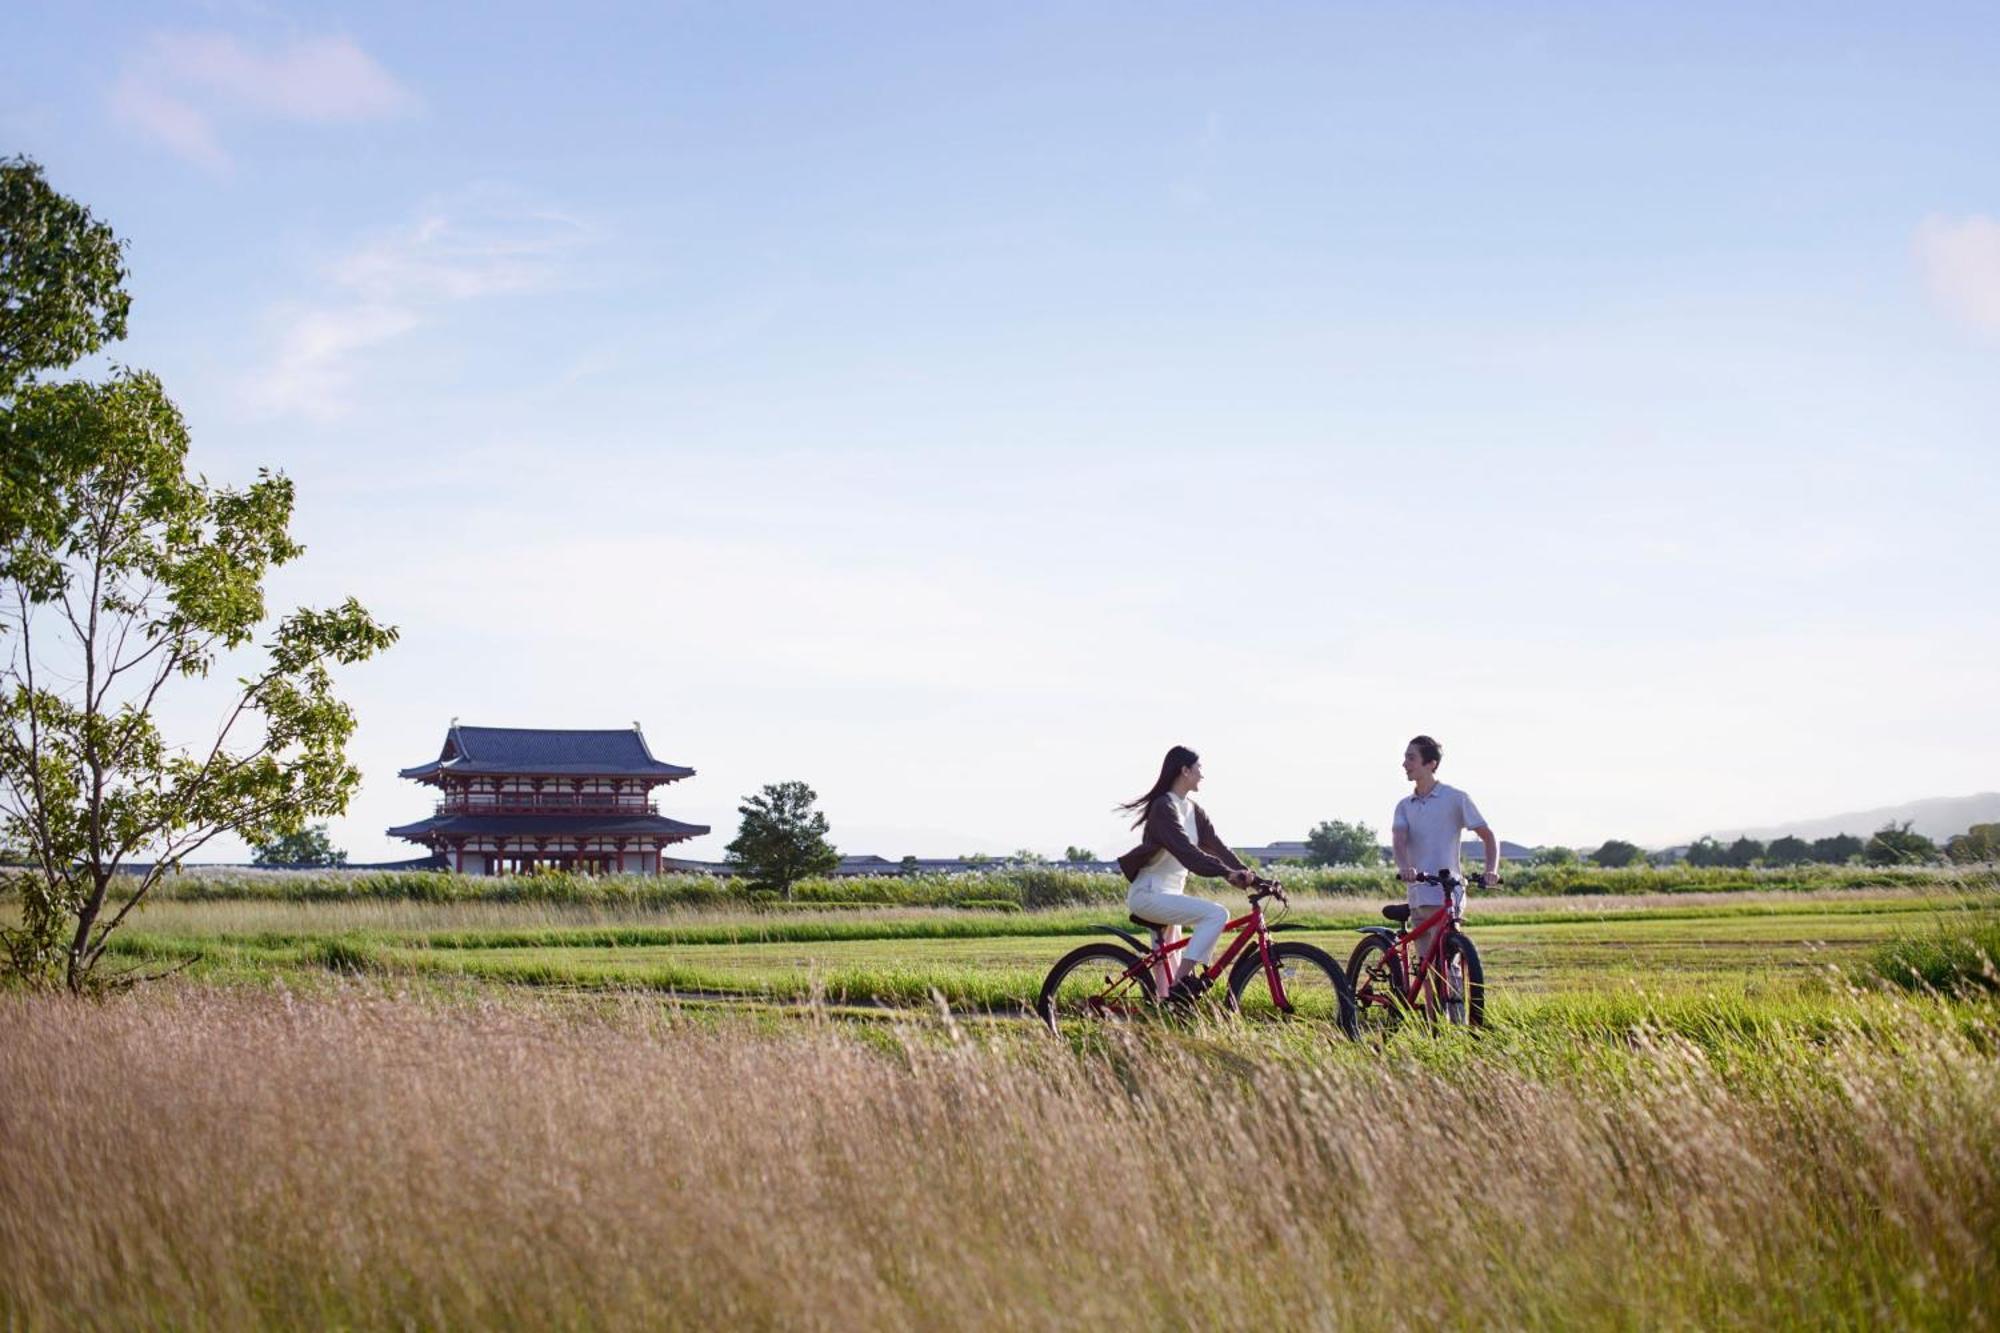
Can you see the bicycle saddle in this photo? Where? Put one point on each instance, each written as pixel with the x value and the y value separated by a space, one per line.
pixel 1153 926
pixel 1397 911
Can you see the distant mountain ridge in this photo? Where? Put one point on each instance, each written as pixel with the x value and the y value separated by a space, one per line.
pixel 1937 818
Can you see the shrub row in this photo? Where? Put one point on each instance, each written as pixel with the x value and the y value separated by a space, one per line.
pixel 1026 888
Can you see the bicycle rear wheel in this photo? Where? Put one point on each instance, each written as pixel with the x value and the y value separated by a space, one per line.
pixel 1312 985
pixel 1376 975
pixel 1093 984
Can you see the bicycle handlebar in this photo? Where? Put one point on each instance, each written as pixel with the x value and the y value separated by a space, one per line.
pixel 1446 880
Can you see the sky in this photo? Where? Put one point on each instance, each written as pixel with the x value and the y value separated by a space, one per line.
pixel 954 406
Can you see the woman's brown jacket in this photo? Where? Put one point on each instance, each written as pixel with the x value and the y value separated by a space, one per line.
pixel 1205 856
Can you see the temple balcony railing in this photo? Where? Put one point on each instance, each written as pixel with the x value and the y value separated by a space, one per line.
pixel 547 803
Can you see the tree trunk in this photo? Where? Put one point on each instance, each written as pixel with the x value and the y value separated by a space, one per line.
pixel 75 972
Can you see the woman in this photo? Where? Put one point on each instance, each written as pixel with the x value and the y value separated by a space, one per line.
pixel 1177 839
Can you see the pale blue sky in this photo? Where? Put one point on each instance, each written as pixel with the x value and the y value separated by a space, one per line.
pixel 954 406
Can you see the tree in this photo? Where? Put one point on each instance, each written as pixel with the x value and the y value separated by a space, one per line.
pixel 1975 846
pixel 1788 851
pixel 1336 843
pixel 782 839
pixel 1616 854
pixel 1027 856
pixel 1552 856
pixel 1837 850
pixel 1706 851
pixel 307 847
pixel 1076 853
pixel 62 279
pixel 1895 845
pixel 908 865
pixel 1743 853
pixel 122 580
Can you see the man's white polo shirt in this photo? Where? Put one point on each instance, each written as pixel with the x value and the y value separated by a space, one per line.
pixel 1435 825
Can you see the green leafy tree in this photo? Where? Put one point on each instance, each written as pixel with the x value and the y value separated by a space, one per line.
pixel 1029 857
pixel 1837 850
pixel 1617 854
pixel 1075 853
pixel 1976 846
pixel 307 847
pixel 1896 845
pixel 782 839
pixel 1743 853
pixel 1337 843
pixel 1552 856
pixel 122 581
pixel 1706 851
pixel 62 280
pixel 908 865
pixel 1788 851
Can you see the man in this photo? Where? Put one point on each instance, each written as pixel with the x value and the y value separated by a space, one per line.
pixel 1426 832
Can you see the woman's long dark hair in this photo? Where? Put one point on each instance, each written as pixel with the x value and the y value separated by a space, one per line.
pixel 1171 767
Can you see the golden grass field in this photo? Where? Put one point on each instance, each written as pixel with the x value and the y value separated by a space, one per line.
pixel 284 1145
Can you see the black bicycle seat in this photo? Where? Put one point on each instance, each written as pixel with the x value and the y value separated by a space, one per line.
pixel 1397 911
pixel 1153 926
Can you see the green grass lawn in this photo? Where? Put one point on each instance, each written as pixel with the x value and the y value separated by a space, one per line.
pixel 1773 945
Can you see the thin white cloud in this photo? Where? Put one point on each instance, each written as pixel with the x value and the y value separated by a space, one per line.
pixel 458 258
pixel 395 282
pixel 181 87
pixel 170 121
pixel 313 369
pixel 1961 262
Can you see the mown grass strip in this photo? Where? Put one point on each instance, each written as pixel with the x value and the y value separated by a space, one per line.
pixel 1544 1031
pixel 791 930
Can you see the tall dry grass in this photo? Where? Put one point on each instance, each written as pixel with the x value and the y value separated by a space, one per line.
pixel 228 1160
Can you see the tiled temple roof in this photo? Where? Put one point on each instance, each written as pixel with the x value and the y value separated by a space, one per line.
pixel 537 751
pixel 549 826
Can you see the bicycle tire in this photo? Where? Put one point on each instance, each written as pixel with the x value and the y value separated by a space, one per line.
pixel 1470 1008
pixel 1375 979
pixel 1310 964
pixel 1112 961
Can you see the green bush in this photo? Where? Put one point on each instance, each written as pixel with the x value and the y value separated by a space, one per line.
pixel 341 955
pixel 1956 959
pixel 1032 887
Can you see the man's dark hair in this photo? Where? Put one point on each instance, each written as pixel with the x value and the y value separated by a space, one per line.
pixel 1428 750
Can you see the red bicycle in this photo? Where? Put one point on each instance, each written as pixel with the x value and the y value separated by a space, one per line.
pixel 1392 977
pixel 1106 981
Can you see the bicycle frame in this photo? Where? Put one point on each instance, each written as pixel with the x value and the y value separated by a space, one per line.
pixel 1431 970
pixel 1152 965
pixel 1442 921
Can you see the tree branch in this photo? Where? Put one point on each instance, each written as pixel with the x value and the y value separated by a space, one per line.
pixel 172 853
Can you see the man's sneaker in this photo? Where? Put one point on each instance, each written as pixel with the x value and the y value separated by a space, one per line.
pixel 1188 989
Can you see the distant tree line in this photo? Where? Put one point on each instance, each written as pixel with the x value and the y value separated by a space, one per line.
pixel 1890 845
pixel 1743 853
pixel 1976 846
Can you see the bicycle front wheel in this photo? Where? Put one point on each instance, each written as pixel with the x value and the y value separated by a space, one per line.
pixel 1376 975
pixel 1463 984
pixel 1310 985
pixel 1095 983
